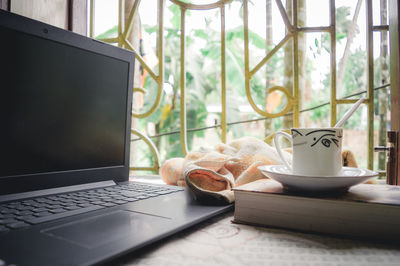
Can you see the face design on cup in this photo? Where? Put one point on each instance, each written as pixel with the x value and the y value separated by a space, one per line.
pixel 318 137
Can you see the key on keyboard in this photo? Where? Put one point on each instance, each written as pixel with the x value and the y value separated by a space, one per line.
pixel 21 214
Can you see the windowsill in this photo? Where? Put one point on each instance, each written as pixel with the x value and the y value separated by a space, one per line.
pixel 153 179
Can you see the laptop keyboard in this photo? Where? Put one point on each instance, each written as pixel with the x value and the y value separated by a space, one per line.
pixel 24 213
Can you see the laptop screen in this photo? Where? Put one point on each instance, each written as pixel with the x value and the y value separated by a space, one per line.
pixel 63 108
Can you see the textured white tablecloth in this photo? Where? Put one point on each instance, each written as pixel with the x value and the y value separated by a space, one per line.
pixel 220 242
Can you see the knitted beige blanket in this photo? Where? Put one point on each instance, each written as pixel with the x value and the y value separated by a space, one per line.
pixel 212 173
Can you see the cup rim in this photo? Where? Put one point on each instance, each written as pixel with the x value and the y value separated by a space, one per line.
pixel 316 128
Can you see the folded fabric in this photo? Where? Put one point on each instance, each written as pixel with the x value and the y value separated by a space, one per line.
pixel 212 173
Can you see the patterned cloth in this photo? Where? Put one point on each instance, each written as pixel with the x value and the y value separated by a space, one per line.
pixel 212 173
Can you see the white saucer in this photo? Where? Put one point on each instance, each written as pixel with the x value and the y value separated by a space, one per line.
pixel 348 177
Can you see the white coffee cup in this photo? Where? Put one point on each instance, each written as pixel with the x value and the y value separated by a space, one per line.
pixel 316 151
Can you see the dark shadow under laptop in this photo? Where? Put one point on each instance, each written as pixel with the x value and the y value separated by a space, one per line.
pixel 65 113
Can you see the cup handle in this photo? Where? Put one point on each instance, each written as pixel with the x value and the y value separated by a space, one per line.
pixel 278 148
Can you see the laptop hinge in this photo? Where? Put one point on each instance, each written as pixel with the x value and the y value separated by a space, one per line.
pixel 45 192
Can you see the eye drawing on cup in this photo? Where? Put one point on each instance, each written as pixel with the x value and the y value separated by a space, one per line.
pixel 316 151
pixel 324 136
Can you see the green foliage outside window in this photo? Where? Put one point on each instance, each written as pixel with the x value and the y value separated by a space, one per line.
pixel 203 81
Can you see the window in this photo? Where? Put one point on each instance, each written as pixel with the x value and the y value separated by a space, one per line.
pixel 251 68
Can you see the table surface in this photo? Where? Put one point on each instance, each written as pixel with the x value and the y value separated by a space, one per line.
pixel 220 242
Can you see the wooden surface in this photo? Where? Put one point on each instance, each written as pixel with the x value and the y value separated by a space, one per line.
pixel 53 12
pixel 394 12
pixel 77 16
pixel 4 4
pixel 66 14
pixel 220 242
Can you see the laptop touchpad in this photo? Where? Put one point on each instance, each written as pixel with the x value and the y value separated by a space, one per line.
pixel 103 229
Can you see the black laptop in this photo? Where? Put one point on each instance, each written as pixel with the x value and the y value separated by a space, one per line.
pixel 65 119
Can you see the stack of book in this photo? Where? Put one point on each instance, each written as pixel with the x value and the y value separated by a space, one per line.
pixel 366 211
